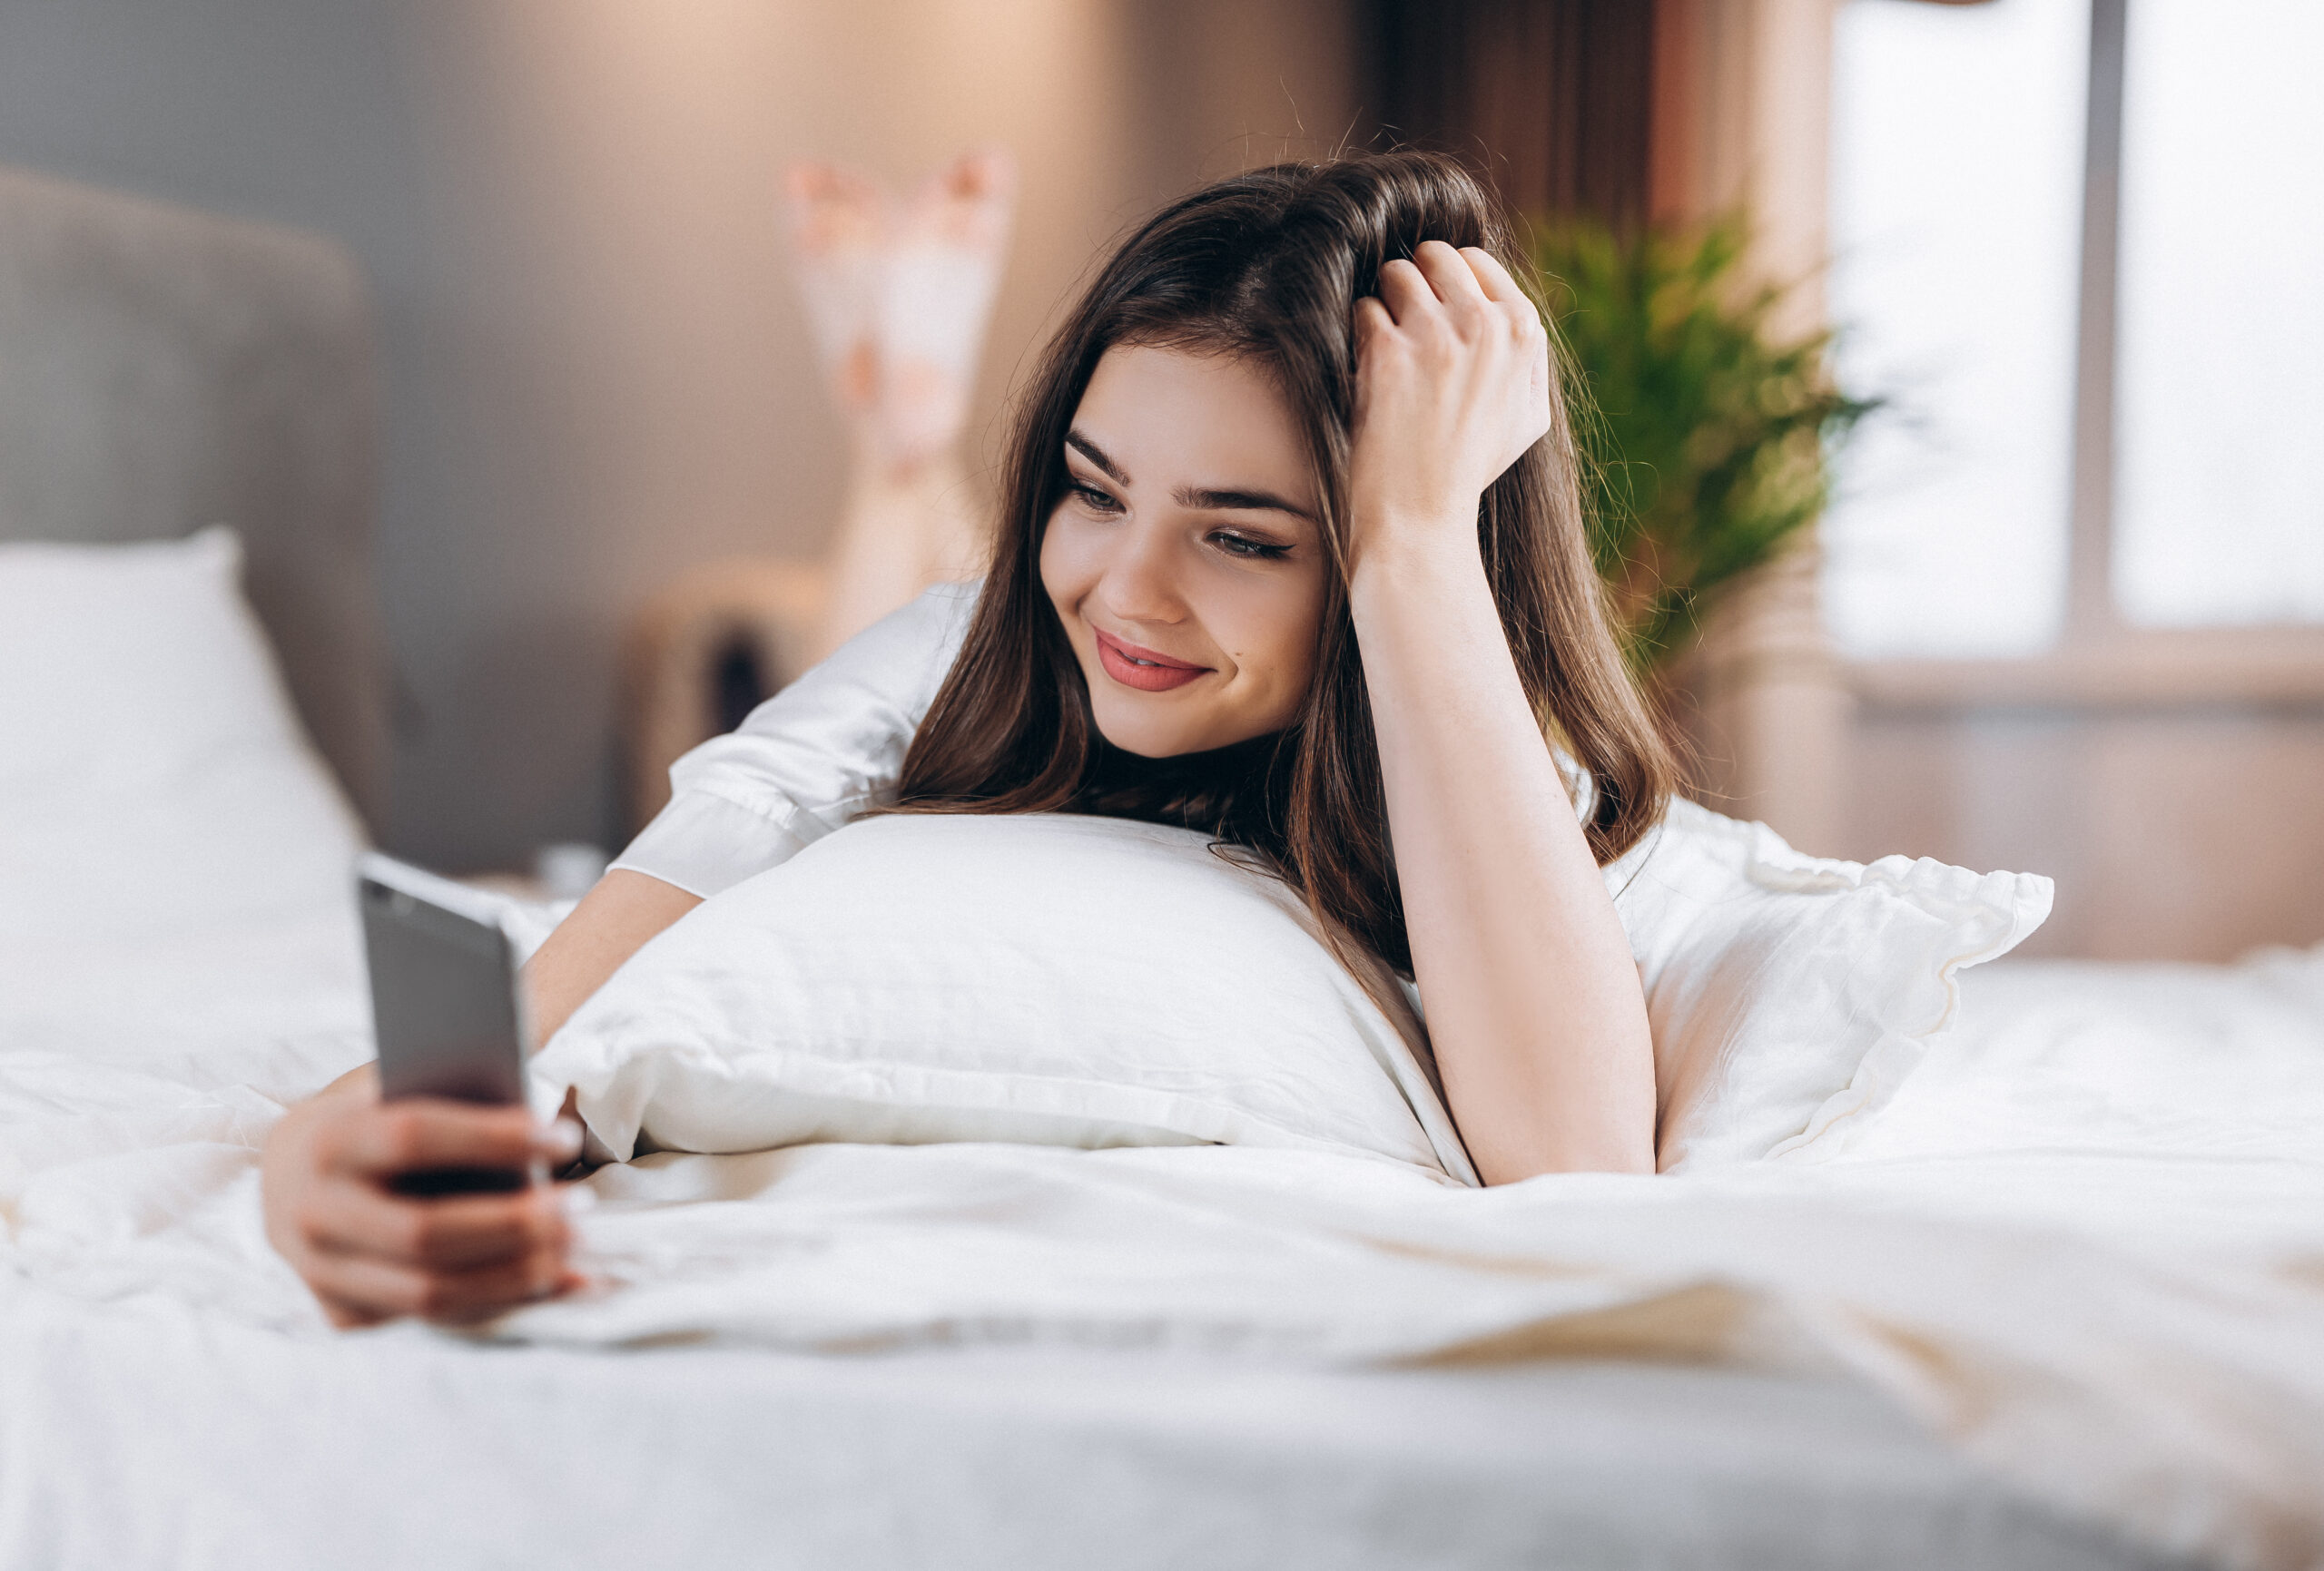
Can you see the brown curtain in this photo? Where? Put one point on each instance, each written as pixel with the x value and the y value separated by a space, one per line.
pixel 1548 99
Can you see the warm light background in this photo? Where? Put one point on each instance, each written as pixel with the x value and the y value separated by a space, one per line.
pixel 598 373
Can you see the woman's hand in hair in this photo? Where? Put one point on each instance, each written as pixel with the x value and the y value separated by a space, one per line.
pixel 1452 386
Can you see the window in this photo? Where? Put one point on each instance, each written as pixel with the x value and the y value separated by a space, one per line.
pixel 1971 146
pixel 2219 449
pixel 1956 202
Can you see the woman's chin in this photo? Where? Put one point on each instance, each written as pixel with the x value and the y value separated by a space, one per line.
pixel 1157 736
pixel 1148 741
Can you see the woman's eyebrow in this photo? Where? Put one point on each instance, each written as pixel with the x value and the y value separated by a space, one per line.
pixel 1238 502
pixel 1198 497
pixel 1096 454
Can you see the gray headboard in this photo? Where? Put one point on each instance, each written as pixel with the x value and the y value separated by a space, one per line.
pixel 162 369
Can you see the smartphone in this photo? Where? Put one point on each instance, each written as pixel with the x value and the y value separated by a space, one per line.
pixel 446 1007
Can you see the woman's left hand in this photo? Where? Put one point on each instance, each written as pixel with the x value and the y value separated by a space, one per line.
pixel 1453 385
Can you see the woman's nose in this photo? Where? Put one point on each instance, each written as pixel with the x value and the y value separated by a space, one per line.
pixel 1140 581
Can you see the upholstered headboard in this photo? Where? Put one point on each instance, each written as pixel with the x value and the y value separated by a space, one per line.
pixel 162 369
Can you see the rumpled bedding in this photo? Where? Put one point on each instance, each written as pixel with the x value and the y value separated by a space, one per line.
pixel 2086 1243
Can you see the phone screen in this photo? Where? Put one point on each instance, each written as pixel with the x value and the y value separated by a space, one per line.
pixel 444 1007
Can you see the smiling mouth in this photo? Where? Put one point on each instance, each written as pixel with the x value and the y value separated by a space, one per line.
pixel 1143 669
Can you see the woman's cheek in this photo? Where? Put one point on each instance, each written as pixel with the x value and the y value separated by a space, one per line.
pixel 1298 624
pixel 1065 562
pixel 1298 672
pixel 1279 651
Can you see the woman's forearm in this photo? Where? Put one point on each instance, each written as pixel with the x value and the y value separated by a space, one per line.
pixel 612 923
pixel 1534 1005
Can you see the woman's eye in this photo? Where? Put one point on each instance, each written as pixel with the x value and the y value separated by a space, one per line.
pixel 1244 546
pixel 1097 501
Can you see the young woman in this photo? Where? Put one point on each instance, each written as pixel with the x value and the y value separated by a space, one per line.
pixel 1291 551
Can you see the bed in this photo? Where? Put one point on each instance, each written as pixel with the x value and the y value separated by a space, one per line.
pixel 2061 1304
pixel 170 1400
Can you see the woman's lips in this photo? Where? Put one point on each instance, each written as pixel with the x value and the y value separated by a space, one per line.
pixel 1142 668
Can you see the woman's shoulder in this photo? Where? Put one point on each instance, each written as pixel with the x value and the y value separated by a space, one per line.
pixel 937 616
pixel 904 656
pixel 810 757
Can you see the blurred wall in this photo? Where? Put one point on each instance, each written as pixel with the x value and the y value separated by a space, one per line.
pixel 2179 825
pixel 596 373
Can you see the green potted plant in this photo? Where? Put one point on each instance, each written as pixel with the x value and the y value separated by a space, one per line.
pixel 1706 439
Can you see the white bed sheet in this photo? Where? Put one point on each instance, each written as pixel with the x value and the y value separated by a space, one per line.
pixel 146 1434
pixel 2085 1248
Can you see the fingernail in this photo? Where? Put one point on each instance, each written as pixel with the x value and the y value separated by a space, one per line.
pixel 561 1140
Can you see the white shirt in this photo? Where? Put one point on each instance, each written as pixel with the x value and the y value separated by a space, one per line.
pixel 808 759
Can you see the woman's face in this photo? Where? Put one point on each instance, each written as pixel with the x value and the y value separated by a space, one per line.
pixel 1185 561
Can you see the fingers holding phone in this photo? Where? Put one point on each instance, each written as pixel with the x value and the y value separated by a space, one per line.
pixel 418 1186
pixel 372 1254
pixel 383 1251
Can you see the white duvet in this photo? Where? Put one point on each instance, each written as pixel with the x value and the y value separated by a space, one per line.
pixel 2086 1242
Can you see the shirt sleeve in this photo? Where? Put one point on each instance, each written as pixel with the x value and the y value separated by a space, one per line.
pixel 809 759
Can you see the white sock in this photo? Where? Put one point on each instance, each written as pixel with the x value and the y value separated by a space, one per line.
pixel 899 296
pixel 935 302
pixel 839 225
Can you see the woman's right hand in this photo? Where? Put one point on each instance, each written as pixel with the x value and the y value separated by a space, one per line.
pixel 370 1255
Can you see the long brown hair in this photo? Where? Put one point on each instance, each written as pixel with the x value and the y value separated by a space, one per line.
pixel 1268 266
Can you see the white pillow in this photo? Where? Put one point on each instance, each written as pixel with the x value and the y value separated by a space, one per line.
pixel 1790 994
pixel 153 778
pixel 1056 979
pixel 961 978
